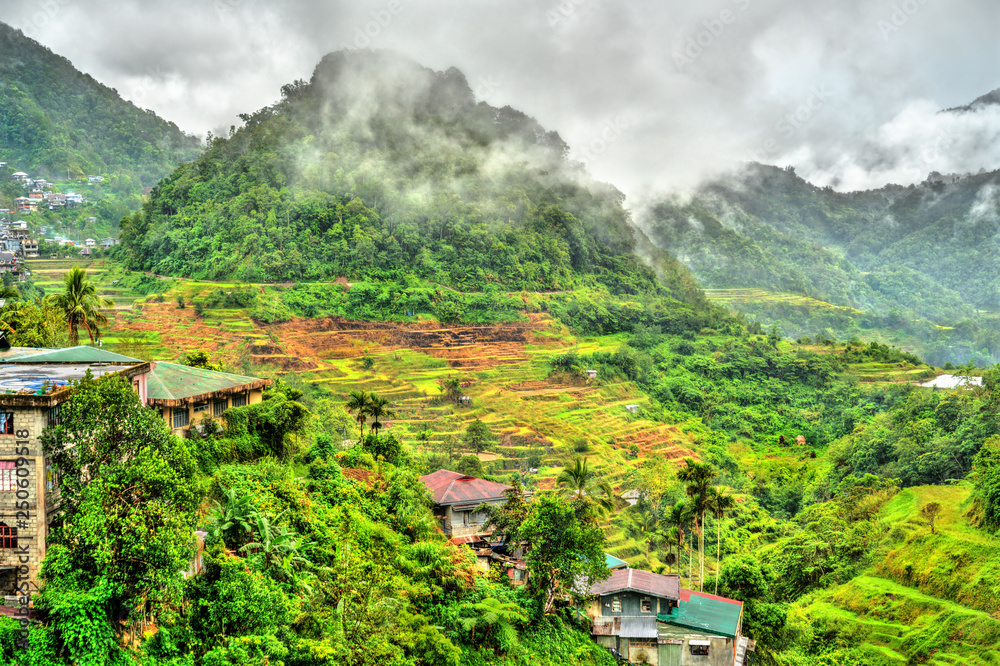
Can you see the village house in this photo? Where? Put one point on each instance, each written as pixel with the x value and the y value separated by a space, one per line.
pixel 30 248
pixel 90 242
pixel 33 385
pixel 20 176
pixel 95 179
pixel 187 397
pixel 12 245
pixel 648 618
pixel 108 242
pixel 8 262
pixel 456 497
pixel 24 205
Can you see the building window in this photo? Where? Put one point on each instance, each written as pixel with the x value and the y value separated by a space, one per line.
pixel 520 574
pixel 52 418
pixel 8 475
pixel 699 648
pixel 180 417
pixel 8 537
pixel 218 407
pixel 647 605
pixel 6 423
pixel 49 477
pixel 200 407
pixel 616 605
pixel 240 400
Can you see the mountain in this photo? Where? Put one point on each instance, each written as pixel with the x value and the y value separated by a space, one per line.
pixel 378 168
pixel 56 121
pixel 989 99
pixel 925 252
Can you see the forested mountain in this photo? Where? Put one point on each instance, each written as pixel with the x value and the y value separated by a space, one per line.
pixel 903 254
pixel 378 168
pixel 57 122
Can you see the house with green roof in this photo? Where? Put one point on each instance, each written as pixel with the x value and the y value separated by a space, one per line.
pixel 186 396
pixel 33 385
pixel 648 618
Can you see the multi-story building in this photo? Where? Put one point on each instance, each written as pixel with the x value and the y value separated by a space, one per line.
pixel 33 385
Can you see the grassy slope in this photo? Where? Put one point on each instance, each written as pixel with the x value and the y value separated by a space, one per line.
pixel 928 598
pixel 900 615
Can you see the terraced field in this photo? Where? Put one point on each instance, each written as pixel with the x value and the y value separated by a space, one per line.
pixel 48 274
pixel 732 297
pixel 929 598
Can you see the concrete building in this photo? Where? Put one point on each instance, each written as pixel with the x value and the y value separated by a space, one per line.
pixel 33 384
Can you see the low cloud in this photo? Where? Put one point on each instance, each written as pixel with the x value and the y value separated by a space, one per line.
pixel 699 87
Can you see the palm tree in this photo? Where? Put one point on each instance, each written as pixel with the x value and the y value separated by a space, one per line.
pixel 81 305
pixel 378 409
pixel 359 401
pixel 720 504
pixel 698 477
pixel 676 519
pixel 594 497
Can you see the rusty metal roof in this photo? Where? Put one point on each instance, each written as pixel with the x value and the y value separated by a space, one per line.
pixel 636 580
pixel 454 488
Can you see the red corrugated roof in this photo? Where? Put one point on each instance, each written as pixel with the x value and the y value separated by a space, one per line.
pixel 639 581
pixel 454 488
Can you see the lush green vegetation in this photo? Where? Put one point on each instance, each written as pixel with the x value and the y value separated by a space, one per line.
pixel 897 258
pixel 378 170
pixel 332 561
pixel 57 122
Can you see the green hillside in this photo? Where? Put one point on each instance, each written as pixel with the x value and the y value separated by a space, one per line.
pixel 916 258
pixel 379 168
pixel 57 122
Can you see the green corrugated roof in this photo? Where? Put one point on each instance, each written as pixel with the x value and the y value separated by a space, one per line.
pixel 708 615
pixel 613 562
pixel 171 381
pixel 81 354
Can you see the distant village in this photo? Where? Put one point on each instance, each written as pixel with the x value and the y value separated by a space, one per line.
pixel 18 242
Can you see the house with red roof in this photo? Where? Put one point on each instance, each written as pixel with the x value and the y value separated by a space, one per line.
pixel 456 497
pixel 649 618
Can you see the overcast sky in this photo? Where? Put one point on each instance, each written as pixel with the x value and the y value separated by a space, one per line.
pixel 652 95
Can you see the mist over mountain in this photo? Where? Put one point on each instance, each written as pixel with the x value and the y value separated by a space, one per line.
pixel 380 167
pixel 56 121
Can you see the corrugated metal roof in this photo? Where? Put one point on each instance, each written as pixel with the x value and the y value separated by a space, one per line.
pixel 717 615
pixel 658 585
pixel 638 627
pixel 613 562
pixel 454 488
pixel 80 354
pixel 172 381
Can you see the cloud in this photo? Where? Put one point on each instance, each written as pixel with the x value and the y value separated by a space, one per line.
pixel 691 88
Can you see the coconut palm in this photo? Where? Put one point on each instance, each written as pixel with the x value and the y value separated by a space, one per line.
pixel 698 478
pixel 378 409
pixel 592 496
pixel 358 403
pixel 81 305
pixel 676 518
pixel 720 504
